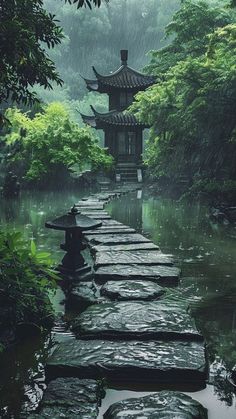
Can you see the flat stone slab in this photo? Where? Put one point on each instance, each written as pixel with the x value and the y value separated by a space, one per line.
pixel 112 223
pixel 95 203
pixel 125 247
pixel 94 212
pixel 96 216
pixel 70 398
pixel 110 230
pixel 137 320
pixel 164 275
pixel 132 290
pixel 83 294
pixel 92 206
pixel 105 196
pixel 109 239
pixel 133 361
pixel 162 405
pixel 136 258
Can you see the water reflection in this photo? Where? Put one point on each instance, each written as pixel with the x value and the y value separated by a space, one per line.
pixel 22 377
pixel 206 253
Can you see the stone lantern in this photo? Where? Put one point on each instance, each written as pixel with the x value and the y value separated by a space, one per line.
pixel 74 224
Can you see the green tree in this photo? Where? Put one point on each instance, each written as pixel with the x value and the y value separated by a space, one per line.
pixel 189 30
pixel 192 109
pixel 52 144
pixel 25 29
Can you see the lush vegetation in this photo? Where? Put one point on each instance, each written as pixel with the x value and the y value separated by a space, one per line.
pixel 26 278
pixel 192 108
pixel 45 148
pixel 25 29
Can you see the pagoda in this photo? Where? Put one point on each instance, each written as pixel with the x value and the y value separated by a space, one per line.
pixel 123 132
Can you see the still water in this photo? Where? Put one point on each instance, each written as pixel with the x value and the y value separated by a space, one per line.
pixel 206 253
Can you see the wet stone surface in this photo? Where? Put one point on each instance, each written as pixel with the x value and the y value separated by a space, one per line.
pixel 70 398
pixel 92 204
pixel 110 230
pixel 109 239
pixel 162 405
pixel 136 258
pixel 163 275
pixel 137 320
pixel 96 215
pixel 125 247
pixel 112 222
pixel 131 290
pixel 133 362
pixel 82 295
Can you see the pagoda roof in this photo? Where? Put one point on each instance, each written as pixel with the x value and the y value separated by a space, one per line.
pixel 112 118
pixel 123 78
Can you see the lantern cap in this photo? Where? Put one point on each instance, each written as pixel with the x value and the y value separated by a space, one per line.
pixel 73 220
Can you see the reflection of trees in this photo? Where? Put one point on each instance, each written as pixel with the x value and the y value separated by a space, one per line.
pixel 128 210
pixel 209 269
pixel 22 378
pixel 216 318
pixel 217 321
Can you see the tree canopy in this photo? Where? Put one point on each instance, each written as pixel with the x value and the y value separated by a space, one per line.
pixel 46 147
pixel 192 109
pixel 25 29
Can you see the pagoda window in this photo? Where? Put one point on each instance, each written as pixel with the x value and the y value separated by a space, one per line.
pixel 126 98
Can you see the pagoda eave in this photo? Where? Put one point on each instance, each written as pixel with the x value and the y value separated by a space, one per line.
pixel 125 78
pixel 103 121
pixel 92 85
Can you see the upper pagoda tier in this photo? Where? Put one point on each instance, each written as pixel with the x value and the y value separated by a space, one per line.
pixel 125 78
pixel 112 118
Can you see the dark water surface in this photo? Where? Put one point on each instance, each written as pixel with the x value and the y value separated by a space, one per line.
pixel 206 253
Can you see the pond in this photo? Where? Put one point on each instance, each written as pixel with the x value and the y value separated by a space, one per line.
pixel 206 253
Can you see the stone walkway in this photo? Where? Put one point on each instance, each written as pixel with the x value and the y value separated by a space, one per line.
pixel 130 330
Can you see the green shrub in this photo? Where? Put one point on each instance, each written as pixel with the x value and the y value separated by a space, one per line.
pixel 25 279
pixel 50 144
pixel 216 189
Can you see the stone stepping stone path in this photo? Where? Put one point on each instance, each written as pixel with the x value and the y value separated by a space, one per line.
pixel 127 329
pixel 97 215
pixel 89 206
pixel 87 293
pixel 132 290
pixel 125 247
pixel 163 275
pixel 139 320
pixel 84 294
pixel 110 239
pixel 110 230
pixel 136 258
pixel 70 398
pixel 112 223
pixel 162 405
pixel 132 361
